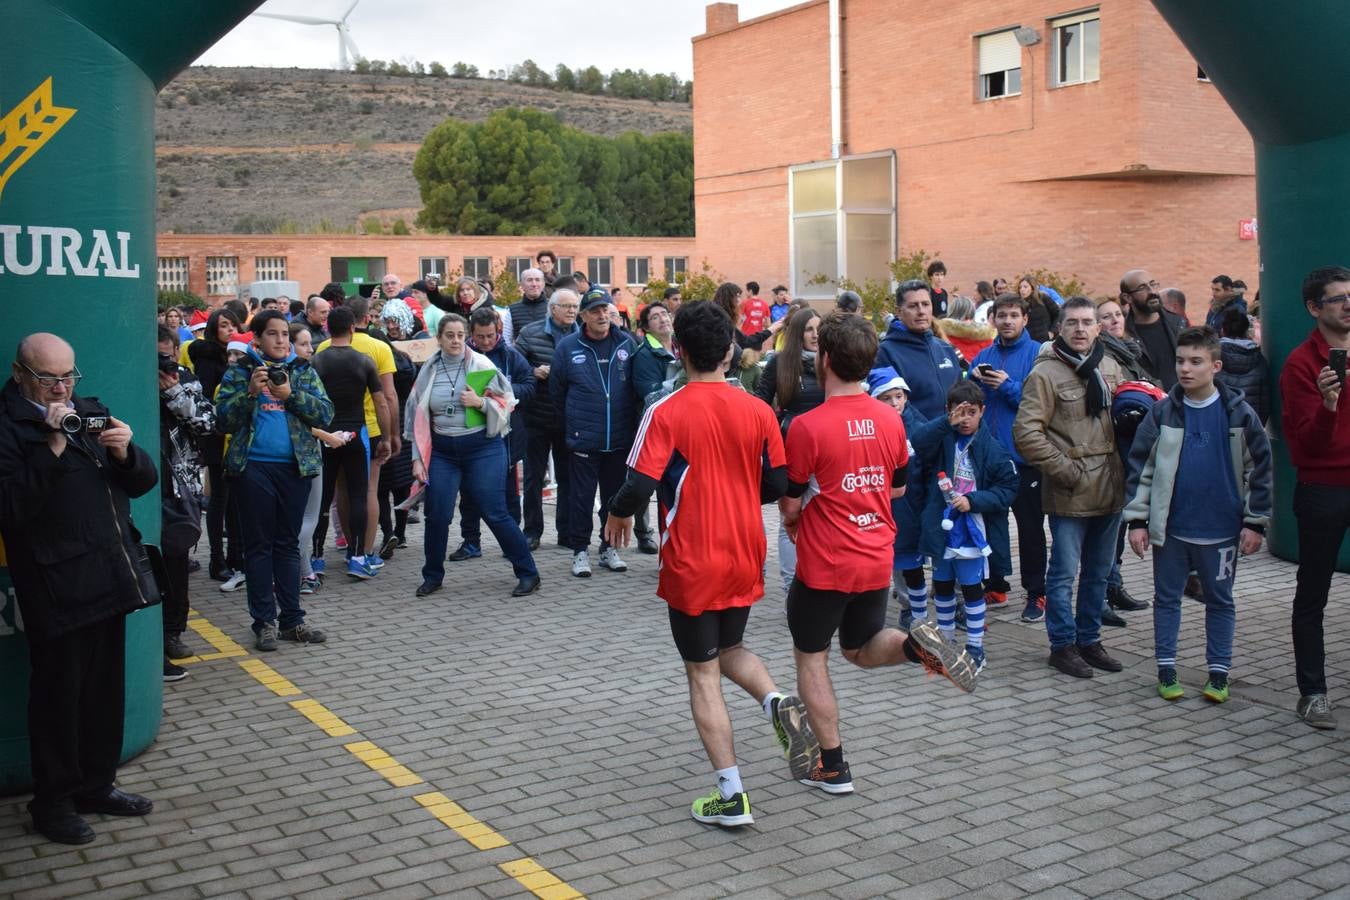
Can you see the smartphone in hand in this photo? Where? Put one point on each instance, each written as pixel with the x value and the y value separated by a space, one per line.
pixel 1336 361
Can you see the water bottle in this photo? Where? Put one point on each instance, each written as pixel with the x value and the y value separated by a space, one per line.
pixel 948 490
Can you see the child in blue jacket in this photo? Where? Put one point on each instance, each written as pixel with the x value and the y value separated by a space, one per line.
pixel 960 531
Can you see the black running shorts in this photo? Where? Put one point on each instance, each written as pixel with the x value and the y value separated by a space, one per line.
pixel 700 638
pixel 814 616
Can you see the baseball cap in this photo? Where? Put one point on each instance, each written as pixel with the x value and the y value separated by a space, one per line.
pixel 595 297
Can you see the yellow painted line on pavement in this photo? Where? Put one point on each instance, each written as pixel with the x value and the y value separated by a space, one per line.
pixel 207 657
pixel 462 823
pixel 383 763
pixel 538 880
pixel 215 637
pixel 269 677
pixel 320 715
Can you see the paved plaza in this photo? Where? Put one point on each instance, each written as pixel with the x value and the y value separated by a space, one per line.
pixel 469 744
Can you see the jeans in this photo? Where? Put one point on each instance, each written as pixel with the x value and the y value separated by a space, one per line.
pixel 1082 546
pixel 478 463
pixel 592 468
pixel 1031 551
pixel 1217 566
pixel 271 498
pixel 1323 514
pixel 470 522
pixel 538 444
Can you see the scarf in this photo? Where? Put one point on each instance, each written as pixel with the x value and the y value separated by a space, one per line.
pixel 1085 367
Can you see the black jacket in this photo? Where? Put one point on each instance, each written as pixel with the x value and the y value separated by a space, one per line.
pixel 74 554
pixel 1172 326
pixel 1246 370
pixel 209 362
pixel 315 332
pixel 527 312
pixel 520 373
pixel 810 394
pixel 536 342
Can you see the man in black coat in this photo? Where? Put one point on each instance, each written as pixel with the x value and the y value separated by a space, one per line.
pixel 75 560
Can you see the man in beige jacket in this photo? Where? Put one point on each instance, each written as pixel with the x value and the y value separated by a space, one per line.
pixel 1063 427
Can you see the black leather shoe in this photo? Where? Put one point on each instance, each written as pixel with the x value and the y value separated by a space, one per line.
pixel 1067 660
pixel 115 803
pixel 534 544
pixel 648 545
pixel 527 585
pixel 1119 598
pixel 428 587
pixel 63 828
pixel 1111 618
pixel 1192 588
pixel 1095 655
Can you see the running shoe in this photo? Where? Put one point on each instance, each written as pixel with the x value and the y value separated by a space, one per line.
pixel 309 585
pixel 388 547
pixel 175 648
pixel 995 598
pixel 581 564
pixel 357 568
pixel 831 781
pixel 233 583
pixel 795 736
pixel 714 810
pixel 943 658
pixel 267 637
pixel 465 551
pixel 1216 688
pixel 1035 610
pixel 976 655
pixel 906 617
pixel 317 566
pixel 373 562
pixel 173 672
pixel 1169 686
pixel 609 558
pixel 303 634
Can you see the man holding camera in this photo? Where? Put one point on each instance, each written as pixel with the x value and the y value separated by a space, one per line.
pixel 68 471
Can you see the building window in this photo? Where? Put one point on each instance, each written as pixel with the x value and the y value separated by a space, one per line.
pixel 433 265
pixel 1077 48
pixel 675 267
pixel 842 223
pixel 477 267
pixel 599 269
pixel 269 268
pixel 222 276
pixel 564 267
pixel 173 273
pixel 1000 65
pixel 639 269
pixel 518 264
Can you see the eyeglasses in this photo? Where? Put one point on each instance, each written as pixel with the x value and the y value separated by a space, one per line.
pixel 569 306
pixel 51 381
pixel 1338 300
pixel 1152 285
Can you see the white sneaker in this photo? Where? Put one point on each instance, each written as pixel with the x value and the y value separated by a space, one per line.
pixel 581 564
pixel 609 558
pixel 235 582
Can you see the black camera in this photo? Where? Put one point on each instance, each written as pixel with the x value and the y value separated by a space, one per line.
pixel 277 374
pixel 167 364
pixel 73 423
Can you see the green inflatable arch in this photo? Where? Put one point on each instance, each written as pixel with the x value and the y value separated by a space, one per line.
pixel 77 252
pixel 1286 73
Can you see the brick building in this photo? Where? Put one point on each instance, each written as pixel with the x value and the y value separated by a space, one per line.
pixel 214 265
pixel 1004 135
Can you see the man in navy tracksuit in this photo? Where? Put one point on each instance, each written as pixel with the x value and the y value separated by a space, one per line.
pixel 928 364
pixel 999 370
pixel 594 402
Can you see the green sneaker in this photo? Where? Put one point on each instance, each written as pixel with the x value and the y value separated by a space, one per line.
pixel 1216 688
pixel 727 813
pixel 795 736
pixel 1169 687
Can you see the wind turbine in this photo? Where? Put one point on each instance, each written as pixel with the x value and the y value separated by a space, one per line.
pixel 346 46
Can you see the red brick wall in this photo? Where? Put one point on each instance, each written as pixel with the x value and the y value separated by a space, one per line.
pixel 1145 167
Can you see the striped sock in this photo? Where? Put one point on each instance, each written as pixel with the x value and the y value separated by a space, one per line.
pixel 974 597
pixel 918 601
pixel 946 614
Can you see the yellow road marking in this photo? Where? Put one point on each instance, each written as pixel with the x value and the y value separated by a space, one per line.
pixel 383 763
pixel 207 657
pixel 269 677
pixel 538 880
pixel 320 715
pixel 462 823
pixel 216 638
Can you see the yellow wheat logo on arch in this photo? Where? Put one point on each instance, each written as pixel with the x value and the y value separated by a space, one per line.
pixel 28 126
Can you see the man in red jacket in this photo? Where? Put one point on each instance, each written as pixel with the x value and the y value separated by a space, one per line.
pixel 1317 430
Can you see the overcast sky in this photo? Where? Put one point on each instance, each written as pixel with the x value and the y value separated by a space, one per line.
pixel 610 34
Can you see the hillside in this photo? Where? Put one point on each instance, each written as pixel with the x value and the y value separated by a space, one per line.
pixel 257 149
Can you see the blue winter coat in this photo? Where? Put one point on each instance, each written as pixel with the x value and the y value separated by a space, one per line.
pixel 996 479
pixel 517 371
pixel 928 364
pixel 595 413
pixel 907 510
pixel 1000 406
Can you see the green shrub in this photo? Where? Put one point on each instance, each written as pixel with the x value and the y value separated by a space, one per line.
pixel 165 299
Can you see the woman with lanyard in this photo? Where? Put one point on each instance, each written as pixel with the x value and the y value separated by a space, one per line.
pixel 458 439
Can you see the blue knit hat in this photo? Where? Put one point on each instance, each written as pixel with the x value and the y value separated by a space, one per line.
pixel 884 379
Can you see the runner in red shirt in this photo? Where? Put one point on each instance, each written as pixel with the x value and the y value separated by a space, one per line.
pixel 854 447
pixel 754 311
pixel 715 455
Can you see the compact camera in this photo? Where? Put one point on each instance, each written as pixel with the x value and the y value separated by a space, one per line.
pixel 277 374
pixel 73 423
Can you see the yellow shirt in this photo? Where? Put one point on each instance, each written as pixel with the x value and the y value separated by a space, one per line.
pixel 183 359
pixel 383 357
